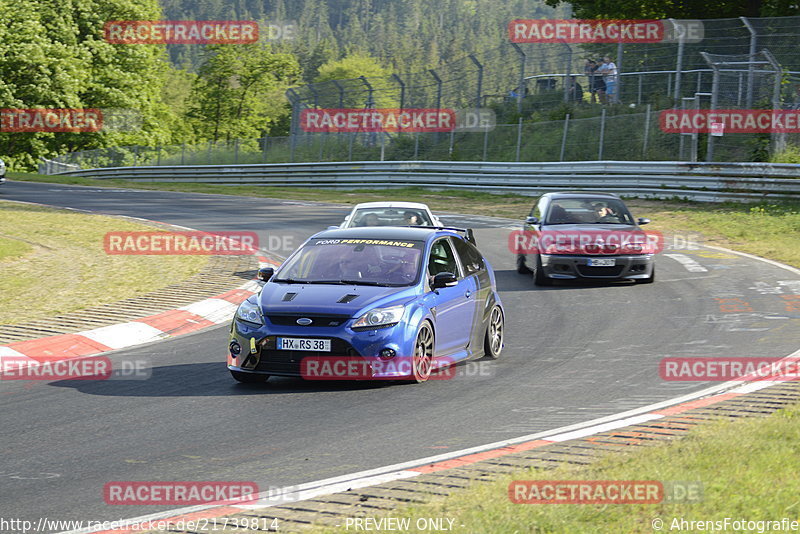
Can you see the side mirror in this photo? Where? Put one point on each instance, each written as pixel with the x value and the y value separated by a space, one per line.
pixel 643 220
pixel 444 280
pixel 265 274
pixel 531 220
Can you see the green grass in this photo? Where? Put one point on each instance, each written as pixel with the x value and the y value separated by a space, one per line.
pixel 13 248
pixel 747 469
pixel 53 262
pixel 769 230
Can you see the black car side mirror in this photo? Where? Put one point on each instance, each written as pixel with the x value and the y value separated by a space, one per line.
pixel 265 274
pixel 531 220
pixel 643 220
pixel 444 280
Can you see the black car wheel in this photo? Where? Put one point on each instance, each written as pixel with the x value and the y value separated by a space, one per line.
pixel 493 341
pixel 539 277
pixel 521 267
pixel 423 353
pixel 249 378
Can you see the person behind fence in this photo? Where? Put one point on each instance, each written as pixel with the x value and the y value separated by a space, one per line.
pixel 609 73
pixel 589 67
pixel 575 90
pixel 597 86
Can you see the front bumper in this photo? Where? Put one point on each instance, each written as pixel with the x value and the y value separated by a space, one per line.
pixel 571 267
pixel 346 345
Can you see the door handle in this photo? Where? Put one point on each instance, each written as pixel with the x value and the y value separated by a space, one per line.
pixel 468 294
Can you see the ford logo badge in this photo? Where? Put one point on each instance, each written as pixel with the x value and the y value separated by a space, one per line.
pixel 304 321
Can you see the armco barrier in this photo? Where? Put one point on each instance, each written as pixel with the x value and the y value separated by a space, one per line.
pixel 707 182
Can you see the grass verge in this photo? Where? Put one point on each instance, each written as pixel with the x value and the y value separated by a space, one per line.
pixel 746 470
pixel 770 230
pixel 53 262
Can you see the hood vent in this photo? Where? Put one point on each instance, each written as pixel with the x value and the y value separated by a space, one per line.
pixel 347 298
pixel 288 297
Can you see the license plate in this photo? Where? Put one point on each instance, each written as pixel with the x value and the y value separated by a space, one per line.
pixel 302 343
pixel 601 262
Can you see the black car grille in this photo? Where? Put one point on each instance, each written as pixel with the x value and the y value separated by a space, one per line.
pixel 287 362
pixel 585 270
pixel 316 320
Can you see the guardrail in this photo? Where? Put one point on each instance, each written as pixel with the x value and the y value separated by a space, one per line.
pixel 705 182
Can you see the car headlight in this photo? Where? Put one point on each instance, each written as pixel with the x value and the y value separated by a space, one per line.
pixel 380 317
pixel 250 313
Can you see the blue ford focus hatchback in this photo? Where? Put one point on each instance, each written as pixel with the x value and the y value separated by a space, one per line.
pixel 370 303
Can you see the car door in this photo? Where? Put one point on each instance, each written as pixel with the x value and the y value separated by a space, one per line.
pixel 454 307
pixel 475 269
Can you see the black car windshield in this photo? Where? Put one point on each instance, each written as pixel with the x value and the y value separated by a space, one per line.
pixel 385 262
pixel 575 210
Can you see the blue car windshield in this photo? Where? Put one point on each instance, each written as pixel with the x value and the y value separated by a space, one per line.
pixel 380 262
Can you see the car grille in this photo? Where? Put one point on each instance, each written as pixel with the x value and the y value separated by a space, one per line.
pixel 287 362
pixel 316 320
pixel 585 270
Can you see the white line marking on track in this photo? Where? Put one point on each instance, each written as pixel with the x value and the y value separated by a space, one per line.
pixel 214 310
pixel 691 265
pixel 119 336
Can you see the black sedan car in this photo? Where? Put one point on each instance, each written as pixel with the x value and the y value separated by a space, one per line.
pixel 581 235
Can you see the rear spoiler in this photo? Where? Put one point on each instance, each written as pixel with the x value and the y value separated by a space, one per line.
pixel 469 235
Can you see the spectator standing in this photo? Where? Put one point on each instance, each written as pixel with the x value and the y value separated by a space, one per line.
pixel 609 70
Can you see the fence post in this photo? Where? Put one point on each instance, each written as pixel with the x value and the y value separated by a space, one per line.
pixel 564 137
pixel 321 139
pixel 639 95
pixel 679 62
pixel 208 155
pixel 602 134
pixel 618 95
pixel 750 68
pixel 183 153
pixel 236 151
pixel 136 155
pixel 714 99
pixel 341 93
pixel 438 95
pixel 158 160
pixel 480 80
pixel 397 78
pixel 485 142
pixel 646 131
pixel 521 89
pixel 416 145
pixel 452 140
pixel 264 148
pixel 519 137
pixel 567 72
pixel 350 147
pixel 383 144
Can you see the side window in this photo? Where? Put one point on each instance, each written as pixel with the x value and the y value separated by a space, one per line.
pixel 442 260
pixel 536 211
pixel 471 259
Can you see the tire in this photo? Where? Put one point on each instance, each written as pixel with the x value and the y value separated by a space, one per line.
pixel 649 280
pixel 422 362
pixel 495 330
pixel 249 378
pixel 538 275
pixel 521 267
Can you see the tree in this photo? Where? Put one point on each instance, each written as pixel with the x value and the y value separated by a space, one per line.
pixel 239 90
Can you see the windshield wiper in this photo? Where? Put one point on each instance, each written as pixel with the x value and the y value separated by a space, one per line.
pixel 361 282
pixel 291 281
